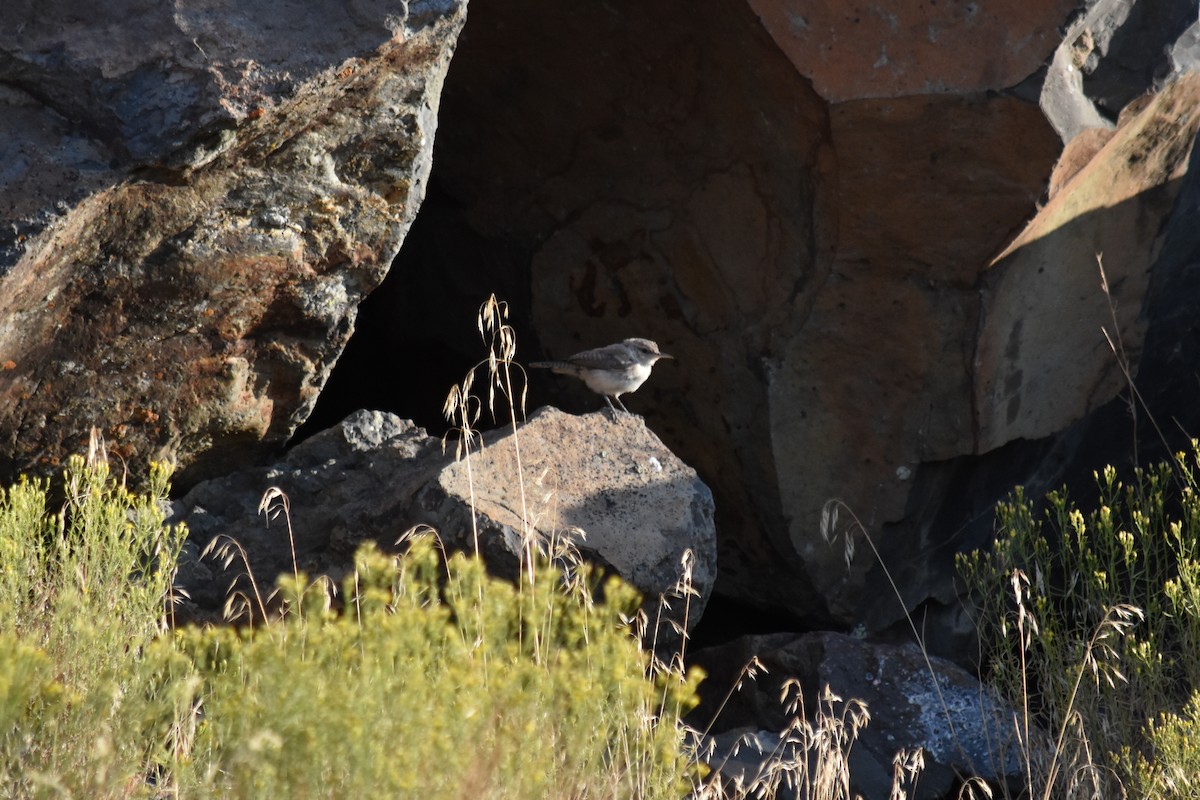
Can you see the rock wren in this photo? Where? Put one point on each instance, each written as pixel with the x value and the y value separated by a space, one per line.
pixel 611 371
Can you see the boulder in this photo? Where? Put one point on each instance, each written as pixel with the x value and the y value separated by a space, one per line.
pixel 607 487
pixel 610 490
pixel 858 50
pixel 912 703
pixel 197 197
pixel 1035 375
pixel 352 483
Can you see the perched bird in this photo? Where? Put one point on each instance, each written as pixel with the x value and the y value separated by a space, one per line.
pixel 611 371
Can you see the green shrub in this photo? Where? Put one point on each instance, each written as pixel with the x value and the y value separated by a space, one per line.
pixel 1090 624
pixel 436 681
pixel 432 680
pixel 1172 770
pixel 82 597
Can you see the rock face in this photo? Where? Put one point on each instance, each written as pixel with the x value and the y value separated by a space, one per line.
pixel 1034 375
pixel 809 247
pixel 819 212
pixel 197 197
pixel 610 489
pixel 880 49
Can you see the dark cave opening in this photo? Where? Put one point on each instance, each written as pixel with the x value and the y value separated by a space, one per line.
pixel 416 336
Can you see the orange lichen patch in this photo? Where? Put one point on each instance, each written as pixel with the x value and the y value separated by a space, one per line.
pixel 144 415
pixel 7 365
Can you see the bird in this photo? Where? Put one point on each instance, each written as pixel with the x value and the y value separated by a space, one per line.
pixel 612 370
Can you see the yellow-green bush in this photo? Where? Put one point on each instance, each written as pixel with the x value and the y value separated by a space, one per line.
pixel 1171 769
pixel 1091 627
pixel 436 681
pixel 82 596
pixel 431 679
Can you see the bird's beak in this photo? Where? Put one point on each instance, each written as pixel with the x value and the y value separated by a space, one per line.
pixel 666 355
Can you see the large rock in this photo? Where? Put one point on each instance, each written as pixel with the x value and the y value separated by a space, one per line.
pixel 856 50
pixel 1044 358
pixel 352 483
pixel 198 196
pixel 913 702
pixel 876 378
pixel 1049 398
pixel 815 238
pixel 609 489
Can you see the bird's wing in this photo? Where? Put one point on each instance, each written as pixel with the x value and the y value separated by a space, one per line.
pixel 613 356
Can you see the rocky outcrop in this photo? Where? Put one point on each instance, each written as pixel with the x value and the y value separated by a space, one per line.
pixel 809 246
pixel 609 490
pixel 198 196
pixel 817 212
pixel 856 228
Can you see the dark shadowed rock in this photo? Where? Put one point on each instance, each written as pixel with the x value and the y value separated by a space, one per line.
pixel 375 476
pixel 354 482
pixel 197 196
pixel 934 705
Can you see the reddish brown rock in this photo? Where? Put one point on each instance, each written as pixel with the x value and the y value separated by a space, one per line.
pixel 877 379
pixel 812 267
pixel 851 49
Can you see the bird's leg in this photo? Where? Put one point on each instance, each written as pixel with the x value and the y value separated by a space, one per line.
pixel 622 405
pixel 611 407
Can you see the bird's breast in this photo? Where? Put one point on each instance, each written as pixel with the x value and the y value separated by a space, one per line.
pixel 616 381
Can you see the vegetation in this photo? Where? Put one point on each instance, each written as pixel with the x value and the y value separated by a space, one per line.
pixel 1091 625
pixel 81 603
pixel 435 680
pixel 423 676
pixel 432 679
